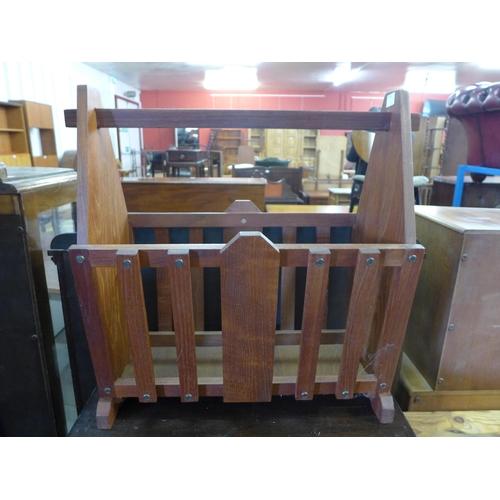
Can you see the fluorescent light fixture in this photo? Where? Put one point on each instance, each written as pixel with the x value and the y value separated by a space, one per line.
pixel 231 78
pixel 439 82
pixel 343 73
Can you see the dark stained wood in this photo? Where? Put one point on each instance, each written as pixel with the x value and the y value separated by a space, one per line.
pixel 313 320
pixel 324 416
pixel 132 301
pixel 249 295
pixel 179 269
pixel 164 290
pixel 288 274
pixel 240 118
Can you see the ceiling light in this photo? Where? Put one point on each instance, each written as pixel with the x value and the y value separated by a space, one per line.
pixel 439 82
pixel 343 73
pixel 231 78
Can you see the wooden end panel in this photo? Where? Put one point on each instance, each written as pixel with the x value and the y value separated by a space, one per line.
pixel 249 296
pixel 129 276
pixel 318 267
pixel 179 270
pixel 362 304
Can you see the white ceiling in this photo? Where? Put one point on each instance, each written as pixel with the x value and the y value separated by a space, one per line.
pixel 288 76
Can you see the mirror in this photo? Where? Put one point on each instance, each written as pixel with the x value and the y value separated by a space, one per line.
pixel 187 137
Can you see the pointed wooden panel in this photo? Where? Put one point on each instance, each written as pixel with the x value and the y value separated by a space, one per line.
pixel 130 280
pixel 179 271
pixel 386 208
pixel 359 319
pixel 318 268
pixel 249 295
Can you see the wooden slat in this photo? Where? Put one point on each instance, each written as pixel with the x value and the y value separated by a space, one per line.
pixel 164 291
pixel 400 285
pixel 95 329
pixel 197 282
pixel 318 268
pixel 129 274
pixel 249 296
pixel 179 269
pixel 288 280
pixel 359 319
pixel 232 219
pixel 241 118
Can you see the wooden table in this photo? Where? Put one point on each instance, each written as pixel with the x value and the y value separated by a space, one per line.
pixel 30 390
pixel 324 416
pixel 485 194
pixel 178 194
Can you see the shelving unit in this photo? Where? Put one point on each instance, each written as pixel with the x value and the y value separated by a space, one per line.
pixel 14 149
pixel 309 146
pixel 38 119
pixel 258 141
pixel 228 141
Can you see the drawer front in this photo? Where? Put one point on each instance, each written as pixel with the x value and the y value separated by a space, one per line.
pixel 187 156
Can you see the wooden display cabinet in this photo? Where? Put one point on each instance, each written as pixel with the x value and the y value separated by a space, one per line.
pixel 14 149
pixel 39 116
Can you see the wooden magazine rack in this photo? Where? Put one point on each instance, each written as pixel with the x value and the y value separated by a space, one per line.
pixel 258 351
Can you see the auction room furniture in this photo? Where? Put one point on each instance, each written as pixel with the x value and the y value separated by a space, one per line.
pixel 30 392
pixel 195 160
pixel 14 147
pixel 247 359
pixel 452 346
pixel 40 133
pixel 181 194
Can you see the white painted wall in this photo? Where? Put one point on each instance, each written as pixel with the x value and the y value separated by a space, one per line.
pixel 55 84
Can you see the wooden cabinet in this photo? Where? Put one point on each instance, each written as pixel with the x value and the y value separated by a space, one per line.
pixel 228 141
pixel 40 133
pixel 298 145
pixel 257 139
pixel 14 150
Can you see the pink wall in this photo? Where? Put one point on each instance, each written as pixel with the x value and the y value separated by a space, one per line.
pixel 160 139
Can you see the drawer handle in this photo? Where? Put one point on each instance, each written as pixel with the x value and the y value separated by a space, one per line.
pixel 182 157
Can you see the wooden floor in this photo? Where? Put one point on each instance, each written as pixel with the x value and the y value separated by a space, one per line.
pixel 454 423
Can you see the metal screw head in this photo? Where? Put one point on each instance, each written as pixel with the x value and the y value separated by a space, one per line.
pixel 179 262
pixel 451 327
pixel 127 263
pixel 440 380
pixel 146 396
pixel 464 256
pixel 107 390
pixel 383 385
pixel 188 397
pixel 243 221
pixel 412 258
pixel 416 400
pixel 80 259
pixel 304 395
pixel 320 261
pixel 345 394
pixel 370 261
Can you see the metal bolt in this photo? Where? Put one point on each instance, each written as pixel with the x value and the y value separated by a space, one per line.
pixel 370 261
pixel 80 259
pixel 451 327
pixel 179 262
pixel 127 263
pixel 188 397
pixel 416 400
pixel 383 385
pixel 412 258
pixel 243 221
pixel 440 380
pixel 107 390
pixel 34 338
pixel 464 256
pixel 19 229
pixel 320 261
pixel 345 394
pixel 146 396
pixel 304 395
